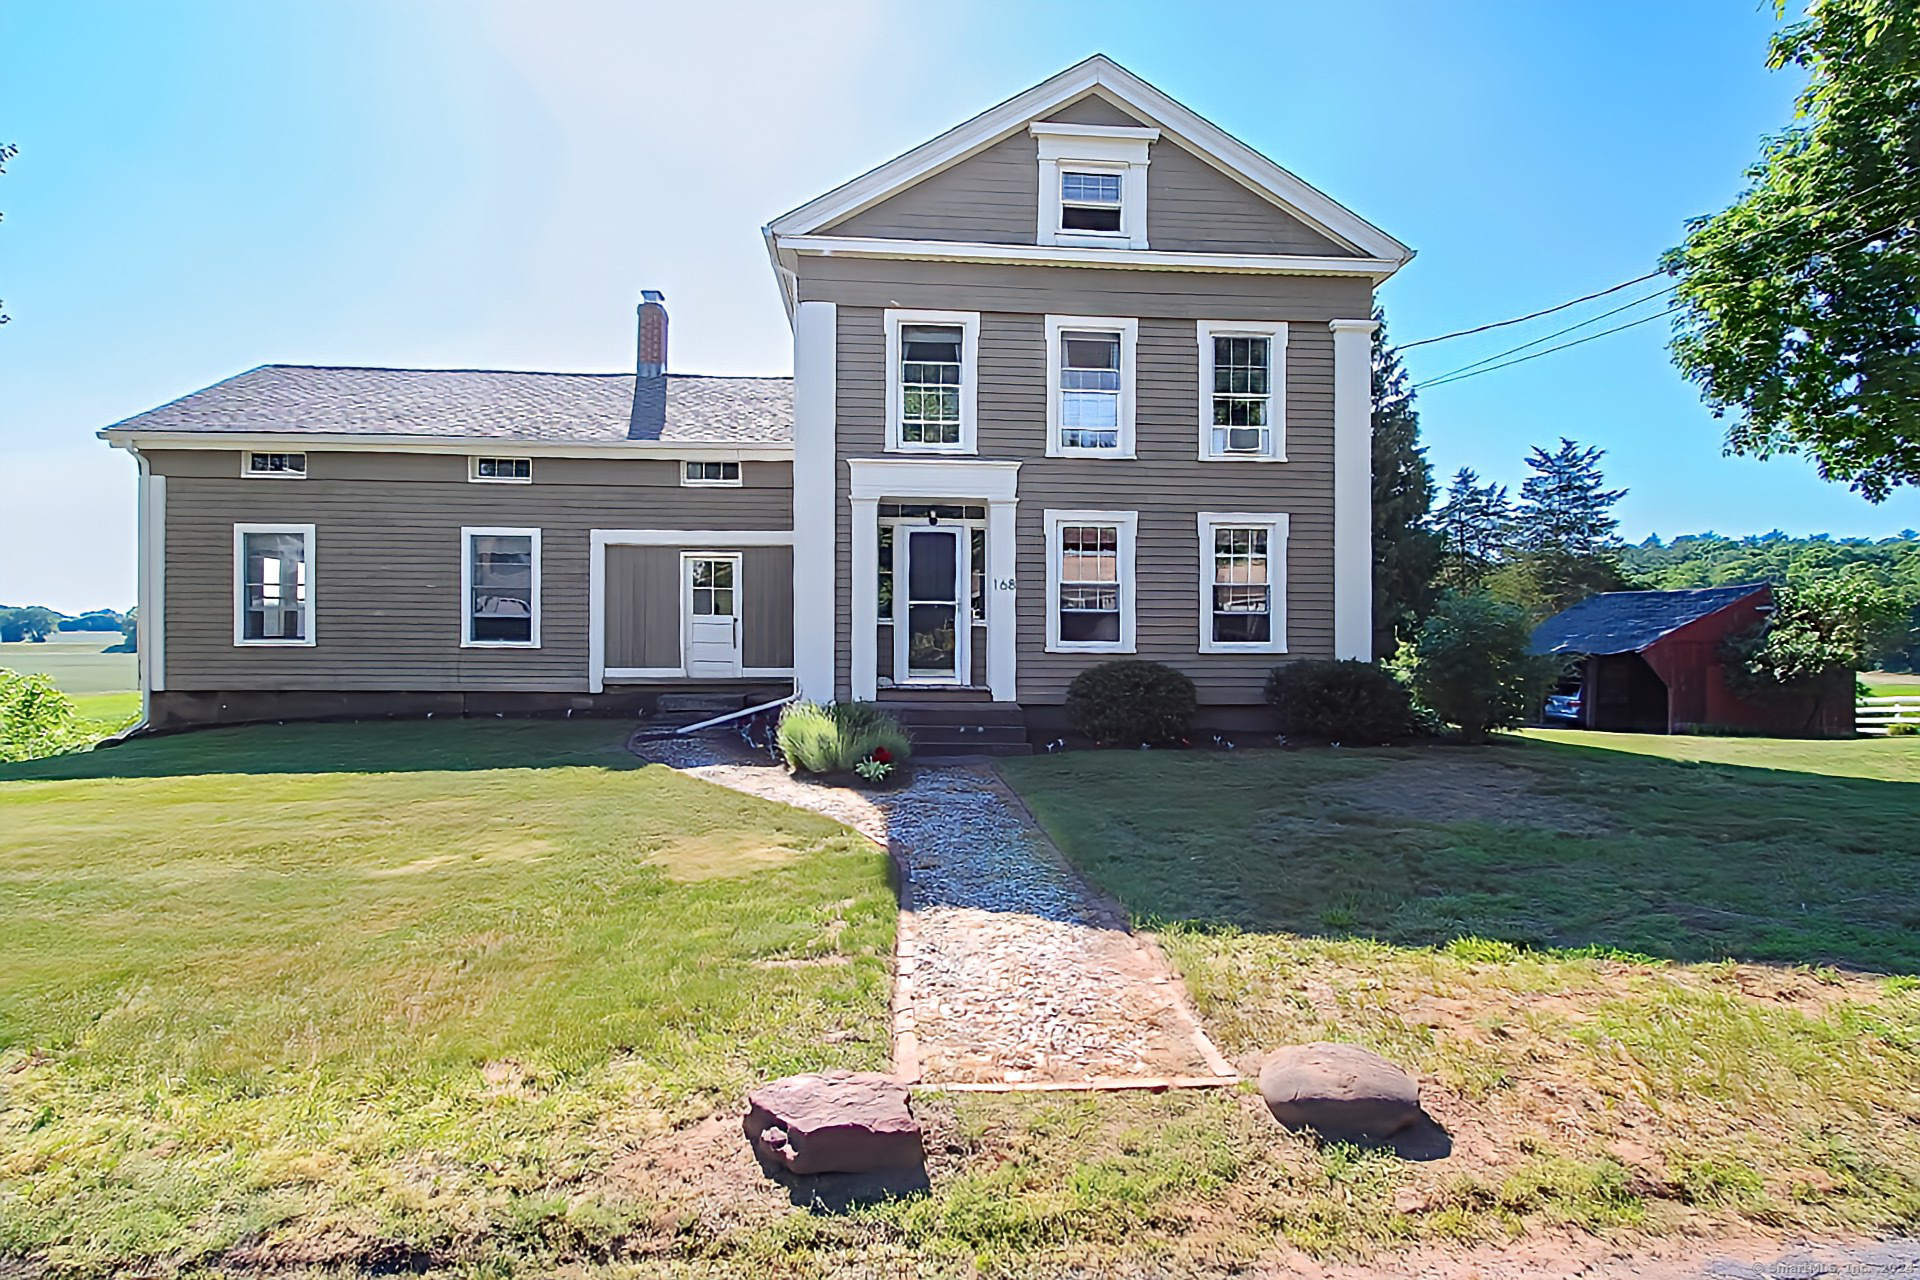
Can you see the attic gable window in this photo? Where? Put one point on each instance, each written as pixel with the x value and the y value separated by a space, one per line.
pixel 1090 201
pixel 1093 184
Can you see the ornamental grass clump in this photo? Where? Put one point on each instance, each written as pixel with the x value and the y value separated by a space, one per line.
pixel 840 737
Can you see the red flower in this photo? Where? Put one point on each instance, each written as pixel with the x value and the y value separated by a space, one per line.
pixel 883 755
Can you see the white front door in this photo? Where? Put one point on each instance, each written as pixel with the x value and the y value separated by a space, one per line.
pixel 710 603
pixel 931 626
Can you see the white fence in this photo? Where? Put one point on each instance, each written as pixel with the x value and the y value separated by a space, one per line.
pixel 1873 715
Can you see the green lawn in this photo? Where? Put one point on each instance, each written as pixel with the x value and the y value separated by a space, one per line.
pixel 77 666
pixel 1891 684
pixel 1652 984
pixel 394 990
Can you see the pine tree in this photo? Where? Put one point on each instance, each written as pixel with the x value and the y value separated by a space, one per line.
pixel 1473 526
pixel 1565 506
pixel 1565 540
pixel 1406 551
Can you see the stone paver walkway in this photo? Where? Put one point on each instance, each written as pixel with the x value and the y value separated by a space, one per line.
pixel 1011 971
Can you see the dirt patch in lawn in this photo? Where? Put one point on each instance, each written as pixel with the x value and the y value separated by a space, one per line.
pixel 719 855
pixel 1435 788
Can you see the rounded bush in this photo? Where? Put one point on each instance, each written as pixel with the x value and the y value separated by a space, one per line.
pixel 1129 702
pixel 1351 702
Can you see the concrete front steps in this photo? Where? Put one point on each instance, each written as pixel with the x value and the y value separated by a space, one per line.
pixel 958 722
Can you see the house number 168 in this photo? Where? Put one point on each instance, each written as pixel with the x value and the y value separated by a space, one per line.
pixel 1003 584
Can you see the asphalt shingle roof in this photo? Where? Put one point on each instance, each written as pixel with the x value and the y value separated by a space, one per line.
pixel 1629 621
pixel 486 404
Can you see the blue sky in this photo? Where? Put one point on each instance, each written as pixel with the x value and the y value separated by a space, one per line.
pixel 204 187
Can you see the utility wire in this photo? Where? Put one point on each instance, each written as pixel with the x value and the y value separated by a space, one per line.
pixel 1462 377
pixel 1626 284
pixel 1557 333
pixel 1474 371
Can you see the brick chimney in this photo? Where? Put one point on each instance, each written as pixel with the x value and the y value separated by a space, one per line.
pixel 653 334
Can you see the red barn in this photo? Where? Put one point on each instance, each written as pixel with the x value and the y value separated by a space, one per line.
pixel 1650 663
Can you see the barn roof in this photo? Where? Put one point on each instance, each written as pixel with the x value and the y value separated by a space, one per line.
pixel 1629 621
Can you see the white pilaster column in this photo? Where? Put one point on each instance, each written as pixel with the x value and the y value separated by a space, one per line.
pixel 863 667
pixel 1002 625
pixel 1352 489
pixel 815 410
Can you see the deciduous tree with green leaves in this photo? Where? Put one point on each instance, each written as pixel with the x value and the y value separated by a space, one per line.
pixel 1405 550
pixel 1469 663
pixel 1800 303
pixel 1821 631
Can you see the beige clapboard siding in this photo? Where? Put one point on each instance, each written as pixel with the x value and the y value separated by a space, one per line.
pixel 1106 291
pixel 992 197
pixel 645 596
pixel 387 569
pixel 1166 483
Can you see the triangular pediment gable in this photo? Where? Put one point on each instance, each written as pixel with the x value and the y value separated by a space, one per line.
pixel 1098 91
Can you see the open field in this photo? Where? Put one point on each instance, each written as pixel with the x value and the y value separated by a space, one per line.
pixel 1652 984
pixel 1891 684
pixel 77 665
pixel 366 991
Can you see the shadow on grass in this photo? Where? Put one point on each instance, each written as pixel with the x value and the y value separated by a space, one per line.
pixel 1543 845
pixel 380 746
pixel 834 1194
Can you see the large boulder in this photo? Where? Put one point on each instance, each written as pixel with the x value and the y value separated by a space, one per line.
pixel 1340 1091
pixel 835 1122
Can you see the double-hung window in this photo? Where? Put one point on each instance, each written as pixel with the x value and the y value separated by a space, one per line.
pixel 273 584
pixel 1090 363
pixel 500 588
pixel 931 374
pixel 1090 201
pixel 1090 581
pixel 1243 582
pixel 1242 391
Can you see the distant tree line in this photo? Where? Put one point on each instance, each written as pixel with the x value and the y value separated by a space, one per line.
pixel 32 624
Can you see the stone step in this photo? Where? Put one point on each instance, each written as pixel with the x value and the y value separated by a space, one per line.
pixel 1006 714
pixel 707 704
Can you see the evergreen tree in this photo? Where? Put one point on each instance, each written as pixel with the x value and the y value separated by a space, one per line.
pixel 1472 526
pixel 1565 535
pixel 1406 552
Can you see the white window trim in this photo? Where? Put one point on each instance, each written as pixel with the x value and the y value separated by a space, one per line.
pixel 473 469
pixel 1128 523
pixel 246 465
pixel 240 638
pixel 1208 330
pixel 688 482
pixel 1276 523
pixel 1129 330
pixel 969 323
pixel 1094 149
pixel 467 535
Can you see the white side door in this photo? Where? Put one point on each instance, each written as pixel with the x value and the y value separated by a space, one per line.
pixel 710 603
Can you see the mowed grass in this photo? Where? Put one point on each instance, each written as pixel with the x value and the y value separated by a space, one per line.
pixel 78 666
pixel 1891 684
pixel 1650 984
pixel 366 992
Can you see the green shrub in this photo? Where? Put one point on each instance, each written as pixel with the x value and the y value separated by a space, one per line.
pixel 36 719
pixel 836 737
pixel 1129 702
pixel 1353 702
pixel 1469 663
pixel 1903 728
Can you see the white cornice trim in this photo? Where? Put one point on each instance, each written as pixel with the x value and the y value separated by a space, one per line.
pixel 343 442
pixel 1071 256
pixel 1050 129
pixel 1199 135
pixel 959 479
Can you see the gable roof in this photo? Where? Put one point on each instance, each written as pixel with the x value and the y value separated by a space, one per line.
pixel 1629 621
pixel 483 404
pixel 1196 133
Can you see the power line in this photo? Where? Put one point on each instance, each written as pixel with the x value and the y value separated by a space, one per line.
pixel 1462 377
pixel 1535 315
pixel 1473 371
pixel 1626 284
pixel 1551 336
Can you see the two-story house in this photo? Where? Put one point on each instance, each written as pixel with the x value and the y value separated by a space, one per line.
pixel 1084 377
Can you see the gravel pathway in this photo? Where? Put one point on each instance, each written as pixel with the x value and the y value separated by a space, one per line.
pixel 1011 971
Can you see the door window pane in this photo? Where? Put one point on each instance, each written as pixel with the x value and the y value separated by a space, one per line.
pixel 712 587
